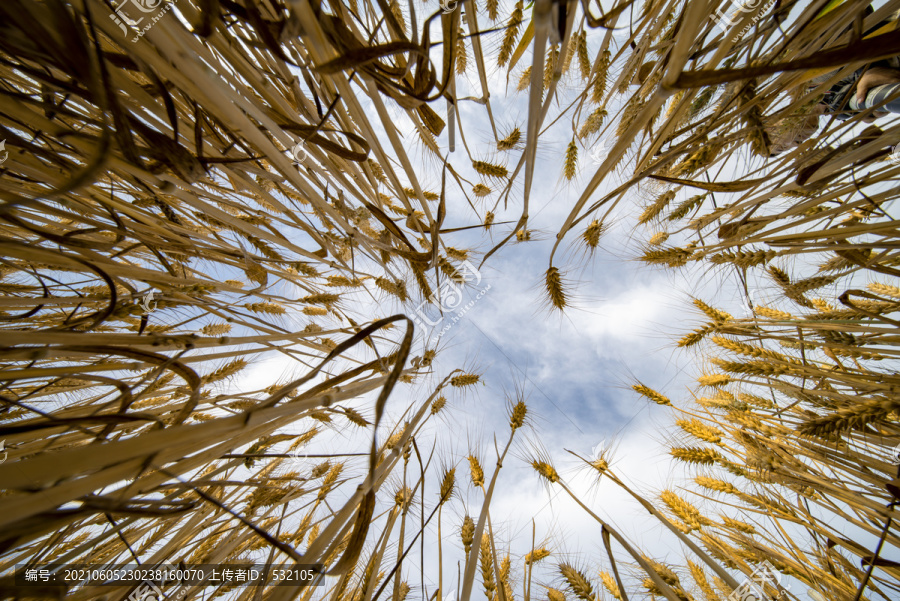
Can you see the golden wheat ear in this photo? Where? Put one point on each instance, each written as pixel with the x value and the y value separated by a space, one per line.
pixel 511 140
pixel 571 160
pixel 554 288
pixel 487 169
pixel 591 235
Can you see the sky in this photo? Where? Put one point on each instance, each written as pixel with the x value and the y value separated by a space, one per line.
pixel 575 369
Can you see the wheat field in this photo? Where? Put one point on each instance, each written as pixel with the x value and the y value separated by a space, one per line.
pixel 190 187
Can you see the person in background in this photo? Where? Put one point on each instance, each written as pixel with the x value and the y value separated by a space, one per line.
pixel 873 85
pixel 875 88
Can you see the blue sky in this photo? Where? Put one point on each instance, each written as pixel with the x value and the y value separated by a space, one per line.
pixel 575 369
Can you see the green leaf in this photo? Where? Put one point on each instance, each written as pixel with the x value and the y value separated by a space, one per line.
pixel 520 49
